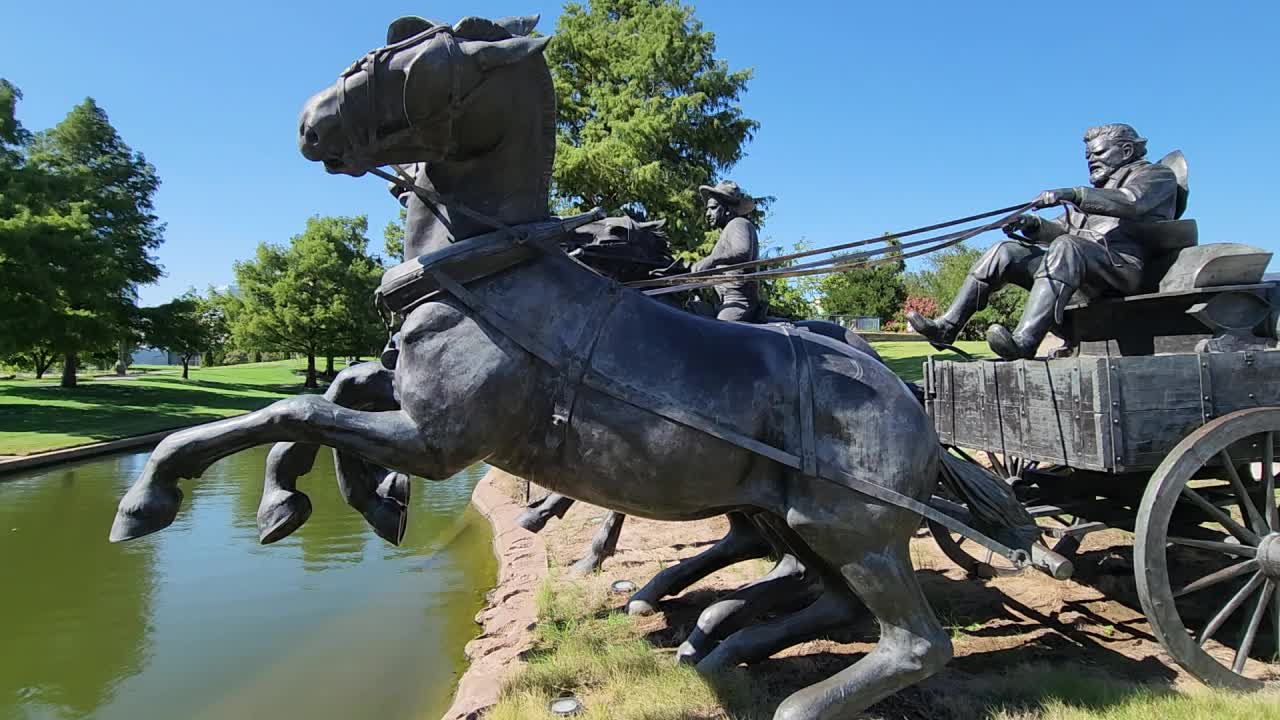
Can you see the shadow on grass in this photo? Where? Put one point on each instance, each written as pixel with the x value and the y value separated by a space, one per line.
pixel 115 410
pixel 1070 663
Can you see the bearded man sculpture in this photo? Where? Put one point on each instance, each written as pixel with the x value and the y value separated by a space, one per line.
pixel 1094 250
pixel 728 208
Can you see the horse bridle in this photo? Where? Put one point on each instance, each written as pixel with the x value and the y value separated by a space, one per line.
pixel 457 101
pixel 368 64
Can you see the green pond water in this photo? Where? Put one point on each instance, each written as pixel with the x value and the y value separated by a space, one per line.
pixel 200 621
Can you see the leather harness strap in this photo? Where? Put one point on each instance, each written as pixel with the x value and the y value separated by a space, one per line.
pixel 578 362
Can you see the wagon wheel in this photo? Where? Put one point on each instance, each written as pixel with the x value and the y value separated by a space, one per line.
pixel 1220 564
pixel 974 559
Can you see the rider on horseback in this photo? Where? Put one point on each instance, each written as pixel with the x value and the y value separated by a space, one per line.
pixel 727 208
pixel 1093 248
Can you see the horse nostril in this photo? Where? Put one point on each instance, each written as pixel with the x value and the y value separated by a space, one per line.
pixel 311 137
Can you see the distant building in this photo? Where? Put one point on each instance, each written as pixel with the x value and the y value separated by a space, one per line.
pixel 155 356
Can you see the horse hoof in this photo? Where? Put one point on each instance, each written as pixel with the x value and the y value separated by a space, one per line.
pixel 281 513
pixel 388 518
pixel 687 654
pixel 143 512
pixel 533 520
pixel 640 608
pixel 396 486
pixel 588 565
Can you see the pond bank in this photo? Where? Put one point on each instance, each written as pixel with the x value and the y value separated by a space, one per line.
pixel 511 608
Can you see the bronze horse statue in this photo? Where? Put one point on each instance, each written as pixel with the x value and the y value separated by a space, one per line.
pixel 528 360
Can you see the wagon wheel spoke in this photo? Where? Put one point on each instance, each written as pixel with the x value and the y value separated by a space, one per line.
pixel 1248 510
pixel 1251 633
pixel 1241 533
pixel 1227 573
pixel 1222 547
pixel 997 464
pixel 1232 605
pixel 1269 481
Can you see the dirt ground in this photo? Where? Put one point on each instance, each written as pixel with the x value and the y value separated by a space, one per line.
pixel 999 626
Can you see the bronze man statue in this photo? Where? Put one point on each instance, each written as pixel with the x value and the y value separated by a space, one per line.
pixel 1094 249
pixel 727 208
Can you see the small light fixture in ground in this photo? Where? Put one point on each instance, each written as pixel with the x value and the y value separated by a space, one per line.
pixel 623 586
pixel 565 706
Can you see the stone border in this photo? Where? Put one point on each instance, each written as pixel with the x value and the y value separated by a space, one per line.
pixel 53 457
pixel 512 608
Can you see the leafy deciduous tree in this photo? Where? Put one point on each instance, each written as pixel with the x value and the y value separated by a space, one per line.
pixel 871 291
pixel 313 297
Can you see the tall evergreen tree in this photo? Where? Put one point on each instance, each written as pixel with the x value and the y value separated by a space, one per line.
pixel 92 176
pixel 647 113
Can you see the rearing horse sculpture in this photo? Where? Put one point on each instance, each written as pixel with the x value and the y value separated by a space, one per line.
pixel 543 368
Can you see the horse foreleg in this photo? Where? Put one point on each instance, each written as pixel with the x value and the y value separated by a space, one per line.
pixel 786 587
pixel 367 386
pixel 390 439
pixel 536 516
pixel 603 545
pixel 744 542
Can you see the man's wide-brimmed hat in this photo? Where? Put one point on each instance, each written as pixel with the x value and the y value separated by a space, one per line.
pixel 728 192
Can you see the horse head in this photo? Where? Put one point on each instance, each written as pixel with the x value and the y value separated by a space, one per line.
pixel 622 248
pixel 432 93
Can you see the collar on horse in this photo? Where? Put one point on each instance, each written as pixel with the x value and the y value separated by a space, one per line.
pixel 412 283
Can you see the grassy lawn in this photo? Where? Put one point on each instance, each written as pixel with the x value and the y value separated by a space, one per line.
pixel 906 357
pixel 585 646
pixel 36 416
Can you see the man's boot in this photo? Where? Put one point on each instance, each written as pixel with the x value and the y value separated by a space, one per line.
pixel 1041 309
pixel 944 331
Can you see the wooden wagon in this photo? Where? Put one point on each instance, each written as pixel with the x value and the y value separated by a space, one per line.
pixel 1161 416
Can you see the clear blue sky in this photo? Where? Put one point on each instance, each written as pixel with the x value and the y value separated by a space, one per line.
pixel 874 116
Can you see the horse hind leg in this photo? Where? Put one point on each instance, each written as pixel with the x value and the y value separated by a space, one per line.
pixel 785 585
pixel 912 645
pixel 743 542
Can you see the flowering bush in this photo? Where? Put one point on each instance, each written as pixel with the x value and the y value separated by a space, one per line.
pixel 926 306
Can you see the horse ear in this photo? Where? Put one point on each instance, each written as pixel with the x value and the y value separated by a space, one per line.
pixel 653 224
pixel 504 52
pixel 519 25
pixel 474 28
pixel 406 27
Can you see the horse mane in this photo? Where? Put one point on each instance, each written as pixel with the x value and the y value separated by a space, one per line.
pixel 480 29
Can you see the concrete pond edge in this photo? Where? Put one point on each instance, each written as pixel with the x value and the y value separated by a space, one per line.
pixel 511 610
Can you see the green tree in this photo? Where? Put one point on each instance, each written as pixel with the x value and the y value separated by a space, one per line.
pixel 215 322
pixel 34 230
pixel 646 114
pixel 942 279
pixel 393 239
pixel 870 291
pixel 314 297
pixel 177 327
pixel 790 298
pixel 100 192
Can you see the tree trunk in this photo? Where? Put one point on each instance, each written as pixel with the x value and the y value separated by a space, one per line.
pixel 186 361
pixel 122 359
pixel 43 362
pixel 328 366
pixel 257 356
pixel 70 363
pixel 311 370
